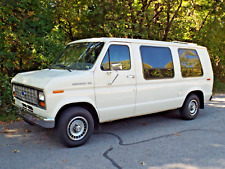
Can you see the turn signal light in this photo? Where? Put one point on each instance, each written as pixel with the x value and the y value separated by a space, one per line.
pixel 42 104
pixel 58 91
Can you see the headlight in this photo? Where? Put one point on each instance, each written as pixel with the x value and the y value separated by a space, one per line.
pixel 41 96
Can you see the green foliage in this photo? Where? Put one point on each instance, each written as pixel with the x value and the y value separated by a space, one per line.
pixel 7 111
pixel 219 86
pixel 33 32
pixel 30 40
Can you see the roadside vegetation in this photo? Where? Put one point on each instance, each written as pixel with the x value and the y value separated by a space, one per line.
pixel 219 87
pixel 33 32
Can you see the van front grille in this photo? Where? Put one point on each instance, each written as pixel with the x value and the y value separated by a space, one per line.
pixel 26 94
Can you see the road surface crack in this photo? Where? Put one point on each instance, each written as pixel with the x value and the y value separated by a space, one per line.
pixel 121 142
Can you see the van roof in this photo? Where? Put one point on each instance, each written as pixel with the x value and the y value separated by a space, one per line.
pixel 139 41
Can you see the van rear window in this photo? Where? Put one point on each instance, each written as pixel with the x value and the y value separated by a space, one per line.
pixel 157 62
pixel 190 63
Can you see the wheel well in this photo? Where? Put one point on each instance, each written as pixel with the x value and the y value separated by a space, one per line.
pixel 85 105
pixel 200 96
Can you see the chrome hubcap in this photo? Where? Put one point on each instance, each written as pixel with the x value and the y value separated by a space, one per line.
pixel 193 107
pixel 77 128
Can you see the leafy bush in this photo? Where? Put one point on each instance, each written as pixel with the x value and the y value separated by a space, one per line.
pixel 219 86
pixel 7 110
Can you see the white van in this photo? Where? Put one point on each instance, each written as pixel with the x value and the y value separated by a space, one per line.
pixel 105 79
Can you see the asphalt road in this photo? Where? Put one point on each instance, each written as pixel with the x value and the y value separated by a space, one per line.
pixel 155 141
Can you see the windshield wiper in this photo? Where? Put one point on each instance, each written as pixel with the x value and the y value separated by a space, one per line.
pixel 64 67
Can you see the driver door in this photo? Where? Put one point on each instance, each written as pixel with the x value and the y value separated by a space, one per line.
pixel 115 83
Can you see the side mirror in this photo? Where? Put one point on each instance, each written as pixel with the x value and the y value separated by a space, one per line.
pixel 117 66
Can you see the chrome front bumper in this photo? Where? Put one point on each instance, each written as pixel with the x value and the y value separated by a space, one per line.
pixel 35 119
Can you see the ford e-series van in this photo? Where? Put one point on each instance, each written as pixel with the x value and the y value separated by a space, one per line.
pixel 105 79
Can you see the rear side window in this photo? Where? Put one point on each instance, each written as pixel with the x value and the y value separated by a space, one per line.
pixel 117 57
pixel 190 63
pixel 157 62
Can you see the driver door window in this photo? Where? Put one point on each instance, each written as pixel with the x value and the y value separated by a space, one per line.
pixel 117 57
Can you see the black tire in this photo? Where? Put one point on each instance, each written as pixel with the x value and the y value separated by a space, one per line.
pixel 190 108
pixel 74 126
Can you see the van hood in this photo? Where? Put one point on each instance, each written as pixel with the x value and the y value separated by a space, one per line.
pixel 42 78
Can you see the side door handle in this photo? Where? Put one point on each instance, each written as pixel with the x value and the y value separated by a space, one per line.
pixel 130 76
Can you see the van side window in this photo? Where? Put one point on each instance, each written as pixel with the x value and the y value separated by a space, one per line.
pixel 157 62
pixel 117 57
pixel 190 63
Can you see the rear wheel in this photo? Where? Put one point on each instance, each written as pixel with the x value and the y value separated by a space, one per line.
pixel 74 126
pixel 190 109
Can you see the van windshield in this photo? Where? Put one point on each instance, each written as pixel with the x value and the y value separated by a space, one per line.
pixel 78 56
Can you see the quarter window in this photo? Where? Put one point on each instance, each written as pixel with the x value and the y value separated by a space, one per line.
pixel 190 63
pixel 157 62
pixel 117 57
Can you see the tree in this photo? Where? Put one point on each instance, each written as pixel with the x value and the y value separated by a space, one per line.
pixel 29 39
pixel 33 32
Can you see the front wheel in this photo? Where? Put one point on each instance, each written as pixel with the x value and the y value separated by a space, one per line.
pixel 190 107
pixel 74 126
